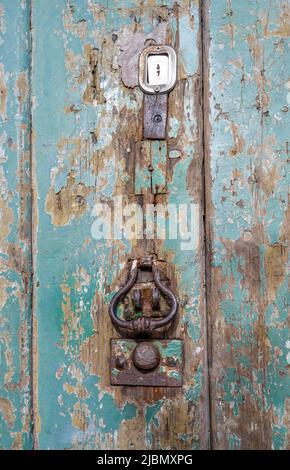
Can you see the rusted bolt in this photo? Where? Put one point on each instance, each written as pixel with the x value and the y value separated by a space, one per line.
pixel 157 118
pixel 146 356
pixel 171 361
pixel 121 362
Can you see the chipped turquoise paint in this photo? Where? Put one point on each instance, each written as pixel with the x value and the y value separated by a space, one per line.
pixel 234 442
pixel 174 154
pixel 152 419
pixel 249 84
pixel 249 75
pixel 172 349
pixel 194 391
pixel 143 178
pixel 158 159
pixel 185 259
pixel 174 125
pixel 188 26
pixel 51 85
pixel 15 215
pixel 74 273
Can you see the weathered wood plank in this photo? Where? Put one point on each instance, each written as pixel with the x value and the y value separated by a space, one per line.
pixel 248 133
pixel 15 233
pixel 87 119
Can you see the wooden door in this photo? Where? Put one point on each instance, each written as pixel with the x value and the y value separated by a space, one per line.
pixel 71 118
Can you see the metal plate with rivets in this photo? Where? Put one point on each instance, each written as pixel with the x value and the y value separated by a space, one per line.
pixel 166 373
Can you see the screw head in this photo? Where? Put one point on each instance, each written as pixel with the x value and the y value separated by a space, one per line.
pixel 121 362
pixel 171 361
pixel 157 118
pixel 156 88
pixel 146 356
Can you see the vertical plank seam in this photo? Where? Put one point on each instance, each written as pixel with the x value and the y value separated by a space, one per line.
pixel 32 323
pixel 205 171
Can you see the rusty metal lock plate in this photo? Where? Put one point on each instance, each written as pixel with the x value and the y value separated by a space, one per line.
pixel 128 362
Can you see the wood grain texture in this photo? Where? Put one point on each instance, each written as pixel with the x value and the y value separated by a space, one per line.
pixel 87 127
pixel 87 147
pixel 248 140
pixel 15 233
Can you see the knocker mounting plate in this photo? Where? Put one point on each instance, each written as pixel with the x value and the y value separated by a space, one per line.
pixel 143 361
pixel 148 363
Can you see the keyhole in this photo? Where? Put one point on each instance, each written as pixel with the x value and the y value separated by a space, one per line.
pixel 158 70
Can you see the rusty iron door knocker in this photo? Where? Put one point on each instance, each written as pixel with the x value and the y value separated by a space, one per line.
pixel 143 324
pixel 145 361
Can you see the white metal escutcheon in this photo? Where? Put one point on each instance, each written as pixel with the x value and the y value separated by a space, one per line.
pixel 157 69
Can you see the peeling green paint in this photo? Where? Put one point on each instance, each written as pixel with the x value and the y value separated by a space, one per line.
pixel 248 72
pixel 15 236
pixel 87 125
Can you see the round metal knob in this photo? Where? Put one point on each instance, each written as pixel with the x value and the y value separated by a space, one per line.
pixel 146 356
